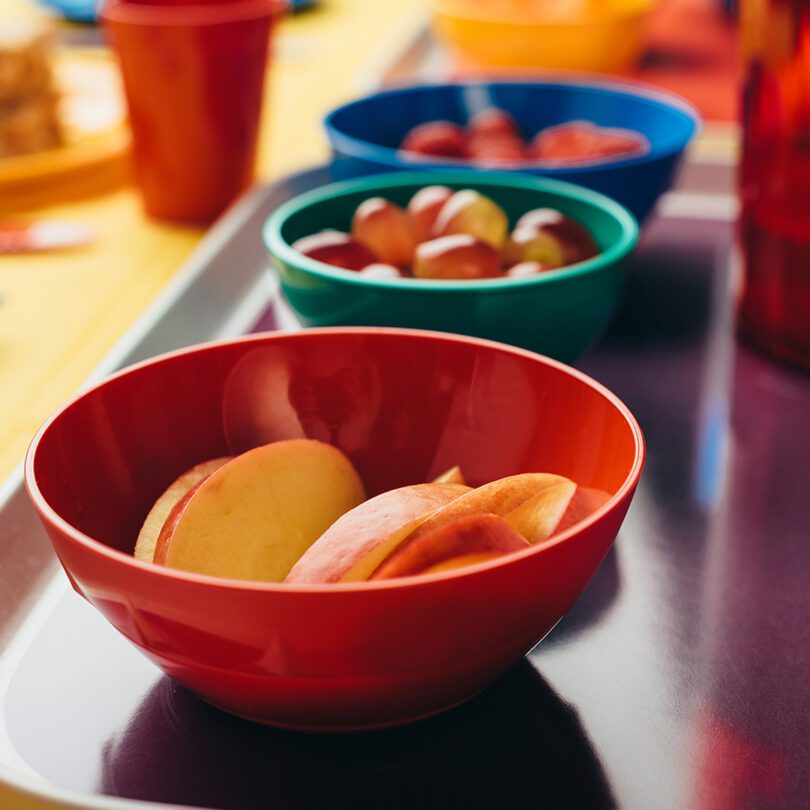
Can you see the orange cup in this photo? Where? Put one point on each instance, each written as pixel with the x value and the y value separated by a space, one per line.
pixel 194 82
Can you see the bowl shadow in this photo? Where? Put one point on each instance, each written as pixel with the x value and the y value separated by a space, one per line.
pixel 515 743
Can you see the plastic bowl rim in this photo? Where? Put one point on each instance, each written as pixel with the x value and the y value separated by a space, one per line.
pixel 156 15
pixel 280 249
pixel 640 10
pixel 411 582
pixel 368 150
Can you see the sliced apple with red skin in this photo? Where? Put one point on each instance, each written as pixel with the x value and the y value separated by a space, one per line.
pixel 470 535
pixel 352 548
pixel 498 497
pixel 255 516
pixel 163 506
pixel 451 476
pixel 554 509
pixel 462 561
pixel 585 502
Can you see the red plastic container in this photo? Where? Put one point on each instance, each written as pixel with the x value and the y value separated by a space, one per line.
pixel 194 78
pixel 404 405
pixel 774 310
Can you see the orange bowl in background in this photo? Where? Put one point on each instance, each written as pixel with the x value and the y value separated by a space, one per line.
pixel 601 36
pixel 404 405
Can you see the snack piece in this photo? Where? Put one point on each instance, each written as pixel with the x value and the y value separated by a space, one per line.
pixel 423 210
pixel 436 138
pixel 530 245
pixel 574 238
pixel 526 269
pixel 29 114
pixel 385 229
pixel 456 257
pixel 255 516
pixel 494 122
pixel 354 546
pixel 472 213
pixel 451 476
pixel 493 136
pixel 498 497
pixel 465 539
pixel 159 513
pixel 379 270
pixel 335 248
pixel 581 141
pixel 554 509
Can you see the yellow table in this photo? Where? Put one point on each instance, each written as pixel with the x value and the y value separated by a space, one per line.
pixel 61 313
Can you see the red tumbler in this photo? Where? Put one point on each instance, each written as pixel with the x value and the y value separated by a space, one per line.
pixel 774 308
pixel 194 81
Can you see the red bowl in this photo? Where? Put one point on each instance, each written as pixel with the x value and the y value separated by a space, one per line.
pixel 404 405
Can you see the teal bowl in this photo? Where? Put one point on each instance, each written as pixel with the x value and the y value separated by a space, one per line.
pixel 559 313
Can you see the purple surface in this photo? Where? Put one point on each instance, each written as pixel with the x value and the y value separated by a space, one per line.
pixel 679 680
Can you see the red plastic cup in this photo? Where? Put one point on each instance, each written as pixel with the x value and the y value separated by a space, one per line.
pixel 194 81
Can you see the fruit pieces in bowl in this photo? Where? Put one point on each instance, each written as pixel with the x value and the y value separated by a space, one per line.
pixel 295 511
pixel 450 235
pixel 494 137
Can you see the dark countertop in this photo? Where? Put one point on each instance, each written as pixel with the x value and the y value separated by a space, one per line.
pixel 679 679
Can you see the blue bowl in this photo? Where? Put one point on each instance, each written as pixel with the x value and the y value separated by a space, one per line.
pixel 365 134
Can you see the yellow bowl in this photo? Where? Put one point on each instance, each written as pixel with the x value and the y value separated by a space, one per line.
pixel 589 35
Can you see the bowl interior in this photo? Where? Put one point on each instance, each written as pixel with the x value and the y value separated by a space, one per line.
pixel 381 121
pixel 332 206
pixel 403 405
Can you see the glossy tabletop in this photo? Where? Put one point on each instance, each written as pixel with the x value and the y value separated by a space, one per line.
pixel 679 679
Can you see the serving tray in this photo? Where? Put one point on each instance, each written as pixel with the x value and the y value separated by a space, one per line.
pixel 678 679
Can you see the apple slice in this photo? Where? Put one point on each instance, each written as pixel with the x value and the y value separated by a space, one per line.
pixel 352 548
pixel 586 500
pixel 470 535
pixel 539 516
pixel 256 515
pixel 496 498
pixel 451 476
pixel 462 561
pixel 154 521
pixel 554 509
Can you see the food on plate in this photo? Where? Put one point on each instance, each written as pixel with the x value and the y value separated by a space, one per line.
pixel 447 235
pixel 456 257
pixel 470 212
pixel 29 101
pixel 385 229
pixel 493 136
pixel 336 248
pixel 254 516
pixel 295 511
